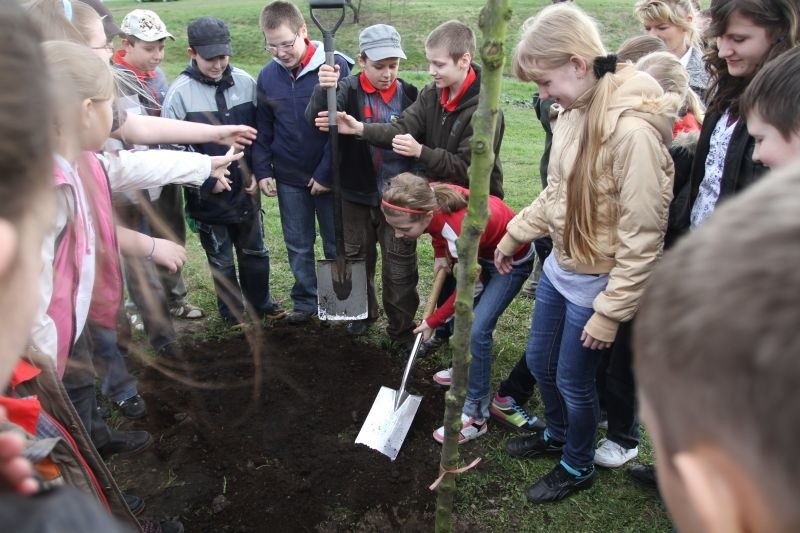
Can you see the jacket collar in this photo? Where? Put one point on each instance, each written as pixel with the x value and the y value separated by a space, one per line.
pixel 225 82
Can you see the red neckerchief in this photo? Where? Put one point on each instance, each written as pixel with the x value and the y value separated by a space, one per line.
pixel 23 412
pixel 386 94
pixel 452 104
pixel 310 49
pixel 142 76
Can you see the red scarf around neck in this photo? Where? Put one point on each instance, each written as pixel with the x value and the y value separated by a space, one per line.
pixel 451 105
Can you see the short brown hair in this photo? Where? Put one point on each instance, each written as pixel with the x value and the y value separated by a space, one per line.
pixel 635 48
pixel 716 340
pixel 773 94
pixel 277 13
pixel 455 37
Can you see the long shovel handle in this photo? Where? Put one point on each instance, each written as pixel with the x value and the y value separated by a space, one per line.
pixel 430 307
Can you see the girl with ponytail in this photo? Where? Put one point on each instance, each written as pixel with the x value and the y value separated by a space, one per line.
pixel 605 207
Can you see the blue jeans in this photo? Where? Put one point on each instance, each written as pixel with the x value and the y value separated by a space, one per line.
pixel 498 292
pixel 565 372
pixel 252 256
pixel 111 364
pixel 299 212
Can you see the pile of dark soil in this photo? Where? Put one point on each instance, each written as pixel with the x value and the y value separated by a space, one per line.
pixel 264 441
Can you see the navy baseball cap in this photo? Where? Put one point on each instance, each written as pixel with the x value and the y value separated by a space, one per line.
pixel 209 37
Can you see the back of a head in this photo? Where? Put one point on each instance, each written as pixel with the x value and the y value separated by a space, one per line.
pixel 278 13
pixel 667 70
pixel 25 143
pixel 78 73
pixel 679 13
pixel 455 37
pixel 552 37
pixel 716 341
pixel 56 24
pixel 635 48
pixel 774 94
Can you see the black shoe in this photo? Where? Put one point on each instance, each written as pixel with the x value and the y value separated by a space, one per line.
pixel 103 411
pixel 276 313
pixel 165 526
pixel 533 445
pixel 133 408
pixel 558 484
pixel 134 503
pixel 358 327
pixel 125 444
pixel 644 475
pixel 298 318
pixel 429 346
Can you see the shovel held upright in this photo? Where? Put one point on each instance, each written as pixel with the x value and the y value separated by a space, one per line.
pixel 341 282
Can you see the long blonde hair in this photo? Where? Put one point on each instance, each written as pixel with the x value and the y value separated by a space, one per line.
pixel 667 70
pixel 550 40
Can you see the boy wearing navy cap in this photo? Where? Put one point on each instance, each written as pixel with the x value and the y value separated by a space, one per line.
pixel 210 90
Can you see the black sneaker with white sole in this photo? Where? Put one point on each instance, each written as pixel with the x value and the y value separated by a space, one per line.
pixel 558 484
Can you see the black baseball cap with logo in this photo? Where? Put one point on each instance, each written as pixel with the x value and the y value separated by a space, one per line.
pixel 209 37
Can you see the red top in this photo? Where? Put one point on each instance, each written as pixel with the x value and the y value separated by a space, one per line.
pixel 445 229
pixel 686 124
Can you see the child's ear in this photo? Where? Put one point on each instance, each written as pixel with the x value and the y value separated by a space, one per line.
pixel 9 243
pixel 191 52
pixel 465 61
pixel 580 66
pixel 723 496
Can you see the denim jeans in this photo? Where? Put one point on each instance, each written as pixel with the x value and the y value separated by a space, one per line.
pixel 117 383
pixel 498 291
pixel 252 257
pixel 565 372
pixel 299 212
pixel 78 381
pixel 364 228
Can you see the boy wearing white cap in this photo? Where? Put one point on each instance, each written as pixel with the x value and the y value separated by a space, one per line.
pixel 375 95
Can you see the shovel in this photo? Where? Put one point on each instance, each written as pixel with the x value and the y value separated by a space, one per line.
pixel 341 282
pixel 392 412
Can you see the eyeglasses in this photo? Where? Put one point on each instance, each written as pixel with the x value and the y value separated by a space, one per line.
pixel 283 47
pixel 108 46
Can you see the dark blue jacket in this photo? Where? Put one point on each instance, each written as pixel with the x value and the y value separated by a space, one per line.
pixel 230 100
pixel 288 148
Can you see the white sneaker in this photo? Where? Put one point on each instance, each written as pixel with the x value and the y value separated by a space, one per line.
pixel 444 377
pixel 611 455
pixel 471 428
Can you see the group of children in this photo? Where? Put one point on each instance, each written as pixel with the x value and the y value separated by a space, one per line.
pixel 620 187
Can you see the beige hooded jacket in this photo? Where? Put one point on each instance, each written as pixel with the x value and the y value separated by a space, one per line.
pixel 634 186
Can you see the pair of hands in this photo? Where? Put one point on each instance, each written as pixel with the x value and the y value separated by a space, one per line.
pixel 502 263
pixel 268 188
pixel 439 263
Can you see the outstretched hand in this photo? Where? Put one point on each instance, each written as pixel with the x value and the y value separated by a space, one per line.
pixel 219 169
pixel 168 254
pixel 237 136
pixel 348 125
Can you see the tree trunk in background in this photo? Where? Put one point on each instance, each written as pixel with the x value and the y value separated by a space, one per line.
pixel 492 22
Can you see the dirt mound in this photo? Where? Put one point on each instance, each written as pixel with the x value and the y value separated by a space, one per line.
pixel 265 441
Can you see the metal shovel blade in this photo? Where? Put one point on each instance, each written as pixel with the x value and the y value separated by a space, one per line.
pixel 342 295
pixel 385 428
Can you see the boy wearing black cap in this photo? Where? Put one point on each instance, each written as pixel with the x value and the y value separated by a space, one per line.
pixel 211 91
pixel 376 95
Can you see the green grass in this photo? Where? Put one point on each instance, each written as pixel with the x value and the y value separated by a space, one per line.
pixel 495 497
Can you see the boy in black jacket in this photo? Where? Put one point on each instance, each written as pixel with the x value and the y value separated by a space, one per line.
pixel 211 90
pixel 375 95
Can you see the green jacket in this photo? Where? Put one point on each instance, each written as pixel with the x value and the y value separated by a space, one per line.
pixel 445 137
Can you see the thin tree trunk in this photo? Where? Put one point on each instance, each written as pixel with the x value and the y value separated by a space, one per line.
pixel 493 21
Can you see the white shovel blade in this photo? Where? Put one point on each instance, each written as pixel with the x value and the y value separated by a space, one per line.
pixel 385 429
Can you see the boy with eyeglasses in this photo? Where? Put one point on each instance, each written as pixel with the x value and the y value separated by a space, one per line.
pixel 291 158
